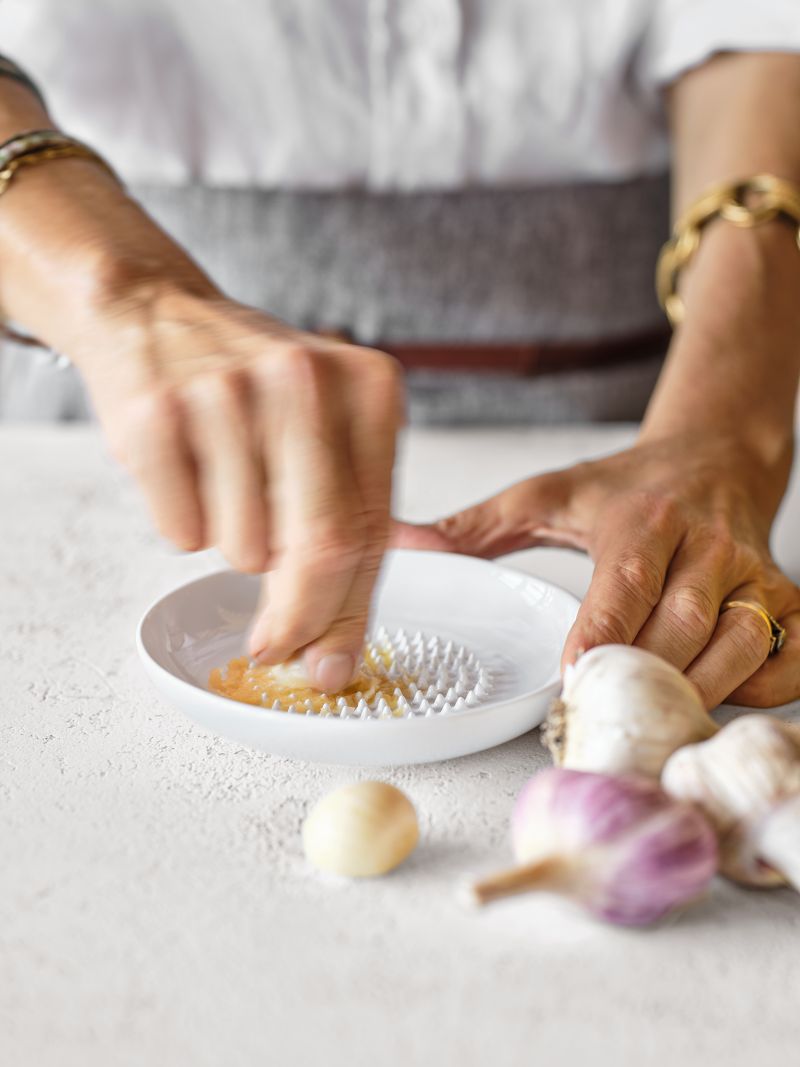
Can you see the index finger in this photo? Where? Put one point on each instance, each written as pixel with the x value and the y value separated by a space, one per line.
pixel 316 514
pixel 628 580
pixel 376 406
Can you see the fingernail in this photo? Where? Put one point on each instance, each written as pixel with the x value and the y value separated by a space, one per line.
pixel 334 671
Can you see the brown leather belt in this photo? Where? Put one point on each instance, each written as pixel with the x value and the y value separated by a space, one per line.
pixel 525 359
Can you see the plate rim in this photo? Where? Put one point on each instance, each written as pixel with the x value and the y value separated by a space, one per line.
pixel 238 709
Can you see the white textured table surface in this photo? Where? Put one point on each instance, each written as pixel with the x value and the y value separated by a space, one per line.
pixel 155 907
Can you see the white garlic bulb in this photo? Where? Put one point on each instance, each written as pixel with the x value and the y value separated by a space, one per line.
pixel 779 840
pixel 624 710
pixel 361 830
pixel 747 782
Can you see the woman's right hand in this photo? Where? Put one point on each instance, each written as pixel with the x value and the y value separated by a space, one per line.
pixel 275 445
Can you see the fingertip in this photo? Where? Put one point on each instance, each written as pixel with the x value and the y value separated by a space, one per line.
pixel 575 646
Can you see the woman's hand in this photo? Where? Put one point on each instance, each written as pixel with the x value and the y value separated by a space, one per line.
pixel 276 446
pixel 675 527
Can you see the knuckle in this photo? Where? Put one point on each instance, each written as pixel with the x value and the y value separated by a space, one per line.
pixel 640 577
pixel 297 362
pixel 304 375
pixel 608 627
pixel 692 611
pixel 222 390
pixel 658 509
pixel 384 371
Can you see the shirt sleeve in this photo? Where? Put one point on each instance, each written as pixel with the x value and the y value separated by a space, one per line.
pixel 685 33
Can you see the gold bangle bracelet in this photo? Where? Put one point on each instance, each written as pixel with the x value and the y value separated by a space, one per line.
pixel 72 150
pixel 747 203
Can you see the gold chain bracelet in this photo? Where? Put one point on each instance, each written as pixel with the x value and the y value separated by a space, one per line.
pixel 746 203
pixel 73 150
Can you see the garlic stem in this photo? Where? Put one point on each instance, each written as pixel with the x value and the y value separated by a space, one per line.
pixel 618 846
pixel 544 874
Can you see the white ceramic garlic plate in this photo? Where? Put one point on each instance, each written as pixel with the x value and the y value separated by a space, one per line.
pixel 483 641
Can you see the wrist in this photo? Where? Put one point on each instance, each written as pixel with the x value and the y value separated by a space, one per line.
pixel 80 254
pixel 744 279
pixel 733 366
pixel 130 299
pixel 724 390
pixel 720 453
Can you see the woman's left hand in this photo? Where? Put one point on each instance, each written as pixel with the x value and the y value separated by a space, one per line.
pixel 676 527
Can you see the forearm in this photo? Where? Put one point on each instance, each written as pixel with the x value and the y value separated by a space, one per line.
pixel 73 245
pixel 734 364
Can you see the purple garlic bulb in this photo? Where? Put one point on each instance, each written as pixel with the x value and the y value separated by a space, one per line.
pixel 619 846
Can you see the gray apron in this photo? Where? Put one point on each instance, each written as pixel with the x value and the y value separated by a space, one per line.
pixel 562 263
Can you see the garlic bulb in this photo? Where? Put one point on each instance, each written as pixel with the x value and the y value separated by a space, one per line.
pixel 618 845
pixel 747 781
pixel 780 840
pixel 361 830
pixel 624 710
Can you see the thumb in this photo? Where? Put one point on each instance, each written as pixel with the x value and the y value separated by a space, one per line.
pixel 526 514
pixel 419 536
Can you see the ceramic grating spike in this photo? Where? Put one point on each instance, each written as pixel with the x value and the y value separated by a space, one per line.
pixel 401 676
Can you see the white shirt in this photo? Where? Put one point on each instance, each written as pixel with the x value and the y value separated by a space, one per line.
pixel 378 94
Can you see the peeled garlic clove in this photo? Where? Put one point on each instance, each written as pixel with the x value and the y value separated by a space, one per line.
pixel 291 674
pixel 618 845
pixel 361 830
pixel 623 710
pixel 740 779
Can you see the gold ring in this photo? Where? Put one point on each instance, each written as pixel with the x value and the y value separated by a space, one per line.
pixel 777 633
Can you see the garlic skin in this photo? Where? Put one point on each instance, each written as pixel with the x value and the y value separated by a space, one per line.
pixel 618 845
pixel 780 840
pixel 361 830
pixel 743 780
pixel 624 710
